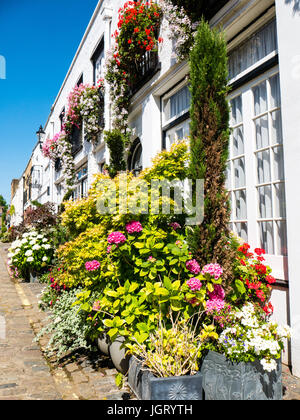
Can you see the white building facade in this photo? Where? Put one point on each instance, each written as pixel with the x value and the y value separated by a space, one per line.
pixel 263 169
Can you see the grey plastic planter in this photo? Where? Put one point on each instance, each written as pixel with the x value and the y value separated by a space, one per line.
pixel 118 355
pixel 103 344
pixel 148 387
pixel 225 380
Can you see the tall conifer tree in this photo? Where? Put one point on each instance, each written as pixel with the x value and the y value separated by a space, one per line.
pixel 210 144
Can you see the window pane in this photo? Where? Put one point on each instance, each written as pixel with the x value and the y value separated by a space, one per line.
pixel 281 238
pixel 265 202
pixel 276 129
pixel 254 49
pixel 279 200
pixel 266 236
pixel 262 132
pixel 278 163
pixel 238 141
pixel 228 176
pixel 275 91
pixel 263 167
pixel 260 98
pixel 240 205
pixel 236 110
pixel 180 102
pixel 242 230
pixel 239 173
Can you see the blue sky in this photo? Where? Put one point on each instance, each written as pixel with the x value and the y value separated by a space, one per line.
pixel 38 39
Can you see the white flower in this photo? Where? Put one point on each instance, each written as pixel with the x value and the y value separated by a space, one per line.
pixel 16 244
pixel 30 259
pixel 47 246
pixel 28 253
pixel 268 365
pixel 36 247
pixel 45 259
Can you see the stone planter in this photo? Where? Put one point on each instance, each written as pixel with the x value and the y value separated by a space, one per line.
pixel 225 380
pixel 118 355
pixel 103 343
pixel 148 387
pixel 33 278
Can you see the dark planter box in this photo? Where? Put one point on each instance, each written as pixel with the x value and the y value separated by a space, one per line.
pixel 148 387
pixel 225 380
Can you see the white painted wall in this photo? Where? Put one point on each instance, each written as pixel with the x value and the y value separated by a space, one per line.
pixel 288 24
pixel 17 202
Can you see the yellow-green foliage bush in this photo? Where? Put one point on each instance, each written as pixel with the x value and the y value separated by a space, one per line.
pixel 170 164
pixel 80 215
pixel 90 245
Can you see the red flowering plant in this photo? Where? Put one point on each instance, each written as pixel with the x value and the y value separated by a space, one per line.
pixel 253 280
pixel 136 36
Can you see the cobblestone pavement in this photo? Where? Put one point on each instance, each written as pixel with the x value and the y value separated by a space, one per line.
pixel 25 372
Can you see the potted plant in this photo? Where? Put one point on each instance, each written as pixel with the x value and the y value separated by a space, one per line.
pixel 244 362
pixel 166 368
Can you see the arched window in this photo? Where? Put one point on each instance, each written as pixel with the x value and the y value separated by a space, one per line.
pixel 135 160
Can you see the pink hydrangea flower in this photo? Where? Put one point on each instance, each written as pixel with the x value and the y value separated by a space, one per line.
pixel 194 284
pixel 92 265
pixel 218 292
pixel 175 225
pixel 214 270
pixel 215 305
pixel 134 227
pixel 116 238
pixel 97 306
pixel 193 267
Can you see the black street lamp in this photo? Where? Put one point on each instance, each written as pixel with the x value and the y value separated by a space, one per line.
pixel 40 134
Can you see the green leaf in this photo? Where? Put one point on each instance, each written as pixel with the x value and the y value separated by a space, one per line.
pixel 113 333
pixel 176 285
pixel 111 293
pixel 139 245
pixel 108 323
pixel 240 287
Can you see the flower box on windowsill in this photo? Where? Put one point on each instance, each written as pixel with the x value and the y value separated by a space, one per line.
pixel 225 380
pixel 148 387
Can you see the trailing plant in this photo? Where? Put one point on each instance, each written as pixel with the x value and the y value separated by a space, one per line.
pixel 86 105
pixel 137 34
pixel 209 145
pixel 116 142
pixel 66 326
pixel 179 27
pixel 59 147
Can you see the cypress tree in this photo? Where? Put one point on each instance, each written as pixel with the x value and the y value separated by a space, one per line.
pixel 210 145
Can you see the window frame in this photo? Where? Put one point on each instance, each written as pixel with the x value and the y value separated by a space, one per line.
pixel 278 263
pixel 177 120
